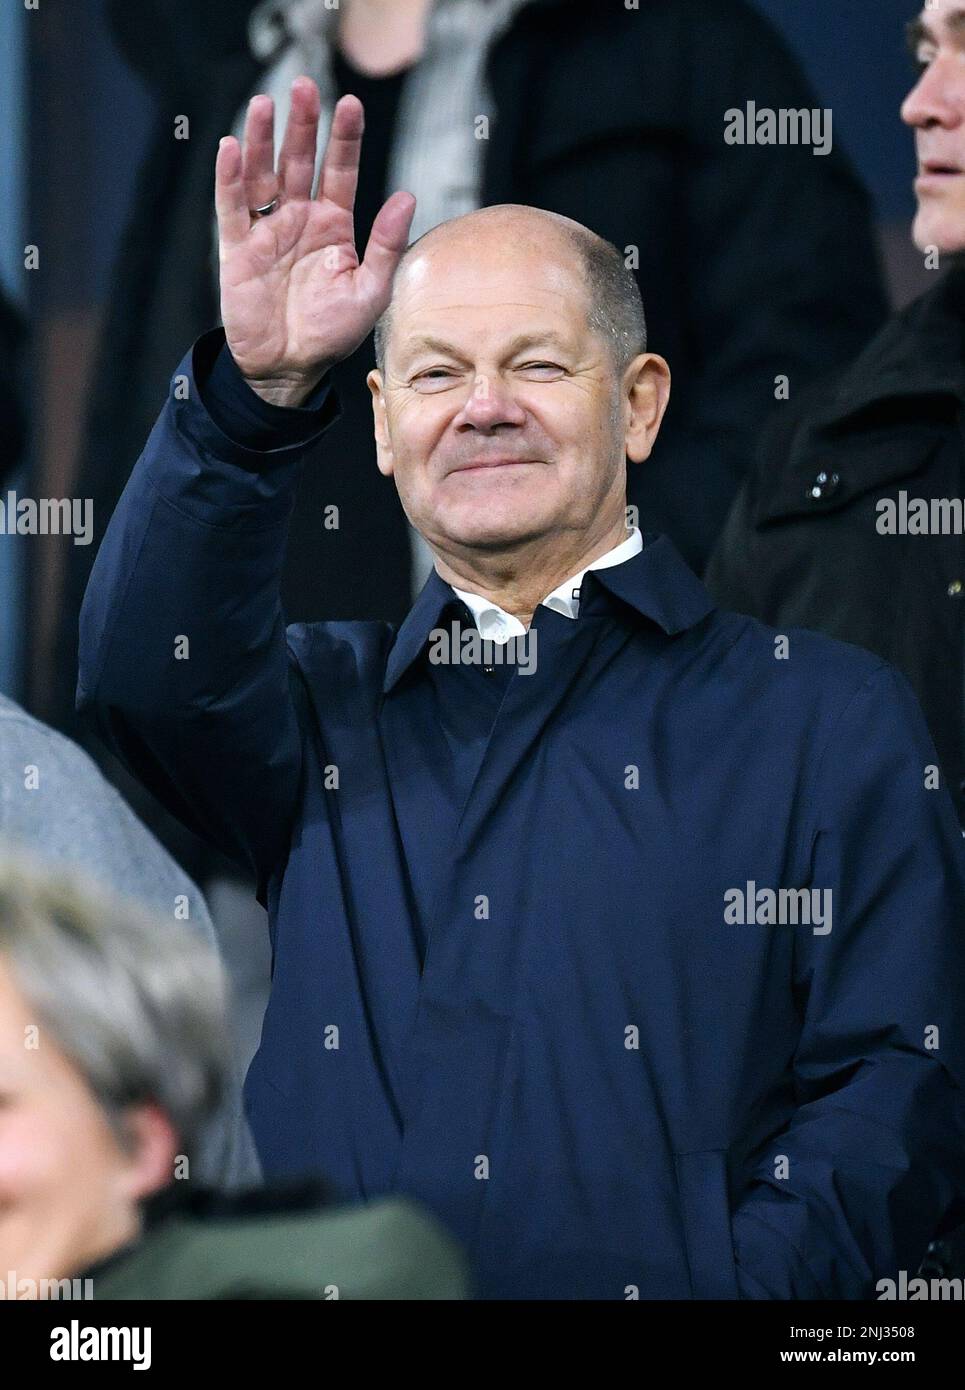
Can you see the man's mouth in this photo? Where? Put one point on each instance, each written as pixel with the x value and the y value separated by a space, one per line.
pixel 477 465
pixel 935 172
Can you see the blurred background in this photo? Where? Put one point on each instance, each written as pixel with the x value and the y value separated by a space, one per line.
pixel 77 121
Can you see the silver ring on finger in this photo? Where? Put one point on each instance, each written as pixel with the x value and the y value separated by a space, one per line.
pixel 266 210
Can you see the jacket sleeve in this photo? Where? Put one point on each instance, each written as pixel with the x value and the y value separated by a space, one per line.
pixel 872 1165
pixel 783 275
pixel 183 661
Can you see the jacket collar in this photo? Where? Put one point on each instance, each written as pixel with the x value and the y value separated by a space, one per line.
pixel 425 614
pixel 920 351
pixel 883 418
pixel 656 582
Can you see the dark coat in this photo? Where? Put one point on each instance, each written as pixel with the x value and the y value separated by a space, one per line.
pixel 506 981
pixel 753 260
pixel 802 546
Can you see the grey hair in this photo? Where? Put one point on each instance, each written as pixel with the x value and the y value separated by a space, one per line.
pixel 615 314
pixel 137 1004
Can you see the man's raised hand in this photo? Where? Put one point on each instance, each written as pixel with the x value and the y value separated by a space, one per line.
pixel 294 297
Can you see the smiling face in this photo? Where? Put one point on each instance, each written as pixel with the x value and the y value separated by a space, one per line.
pixel 936 111
pixel 502 415
pixel 68 1191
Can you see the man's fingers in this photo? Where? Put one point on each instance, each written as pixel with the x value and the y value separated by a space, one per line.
pixel 261 181
pixel 387 241
pixel 340 167
pixel 296 162
pixel 230 203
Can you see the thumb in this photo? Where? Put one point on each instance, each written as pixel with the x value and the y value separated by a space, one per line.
pixel 387 241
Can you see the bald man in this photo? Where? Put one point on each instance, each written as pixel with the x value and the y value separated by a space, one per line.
pixel 612 926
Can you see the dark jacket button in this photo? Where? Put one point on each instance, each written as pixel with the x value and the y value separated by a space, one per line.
pixel 825 485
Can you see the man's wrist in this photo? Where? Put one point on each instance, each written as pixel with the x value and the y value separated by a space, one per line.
pixel 248 418
pixel 287 392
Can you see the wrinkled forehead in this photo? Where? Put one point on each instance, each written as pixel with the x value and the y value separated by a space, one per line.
pixel 460 282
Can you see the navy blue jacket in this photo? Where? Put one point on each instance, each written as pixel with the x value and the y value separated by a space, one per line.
pixel 510 978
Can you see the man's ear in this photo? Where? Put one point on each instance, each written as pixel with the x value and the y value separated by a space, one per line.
pixel 646 385
pixel 383 446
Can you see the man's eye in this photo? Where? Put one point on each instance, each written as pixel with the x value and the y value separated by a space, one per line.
pixel 432 378
pixel 541 367
pixel 923 59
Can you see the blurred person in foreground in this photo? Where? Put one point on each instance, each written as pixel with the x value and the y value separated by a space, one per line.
pixel 853 520
pixel 523 854
pixel 113 1057
pixel 56 804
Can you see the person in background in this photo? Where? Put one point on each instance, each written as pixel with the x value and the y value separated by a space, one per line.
pixel 851 521
pixel 113 1057
pixel 847 522
pixel 54 802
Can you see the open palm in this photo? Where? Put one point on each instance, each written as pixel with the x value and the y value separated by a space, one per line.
pixel 295 297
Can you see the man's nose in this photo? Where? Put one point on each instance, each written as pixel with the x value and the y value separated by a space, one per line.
pixel 938 98
pixel 489 405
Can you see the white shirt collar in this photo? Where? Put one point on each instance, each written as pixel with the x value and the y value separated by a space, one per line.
pixel 495 623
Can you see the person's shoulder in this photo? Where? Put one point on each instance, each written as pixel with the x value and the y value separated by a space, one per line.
pixel 836 411
pixel 796 665
pixel 66 773
pixel 23 731
pixel 732 21
pixel 728 21
pixel 56 801
pixel 288 1242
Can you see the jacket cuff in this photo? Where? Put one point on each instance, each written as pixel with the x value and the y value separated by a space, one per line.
pixel 219 411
